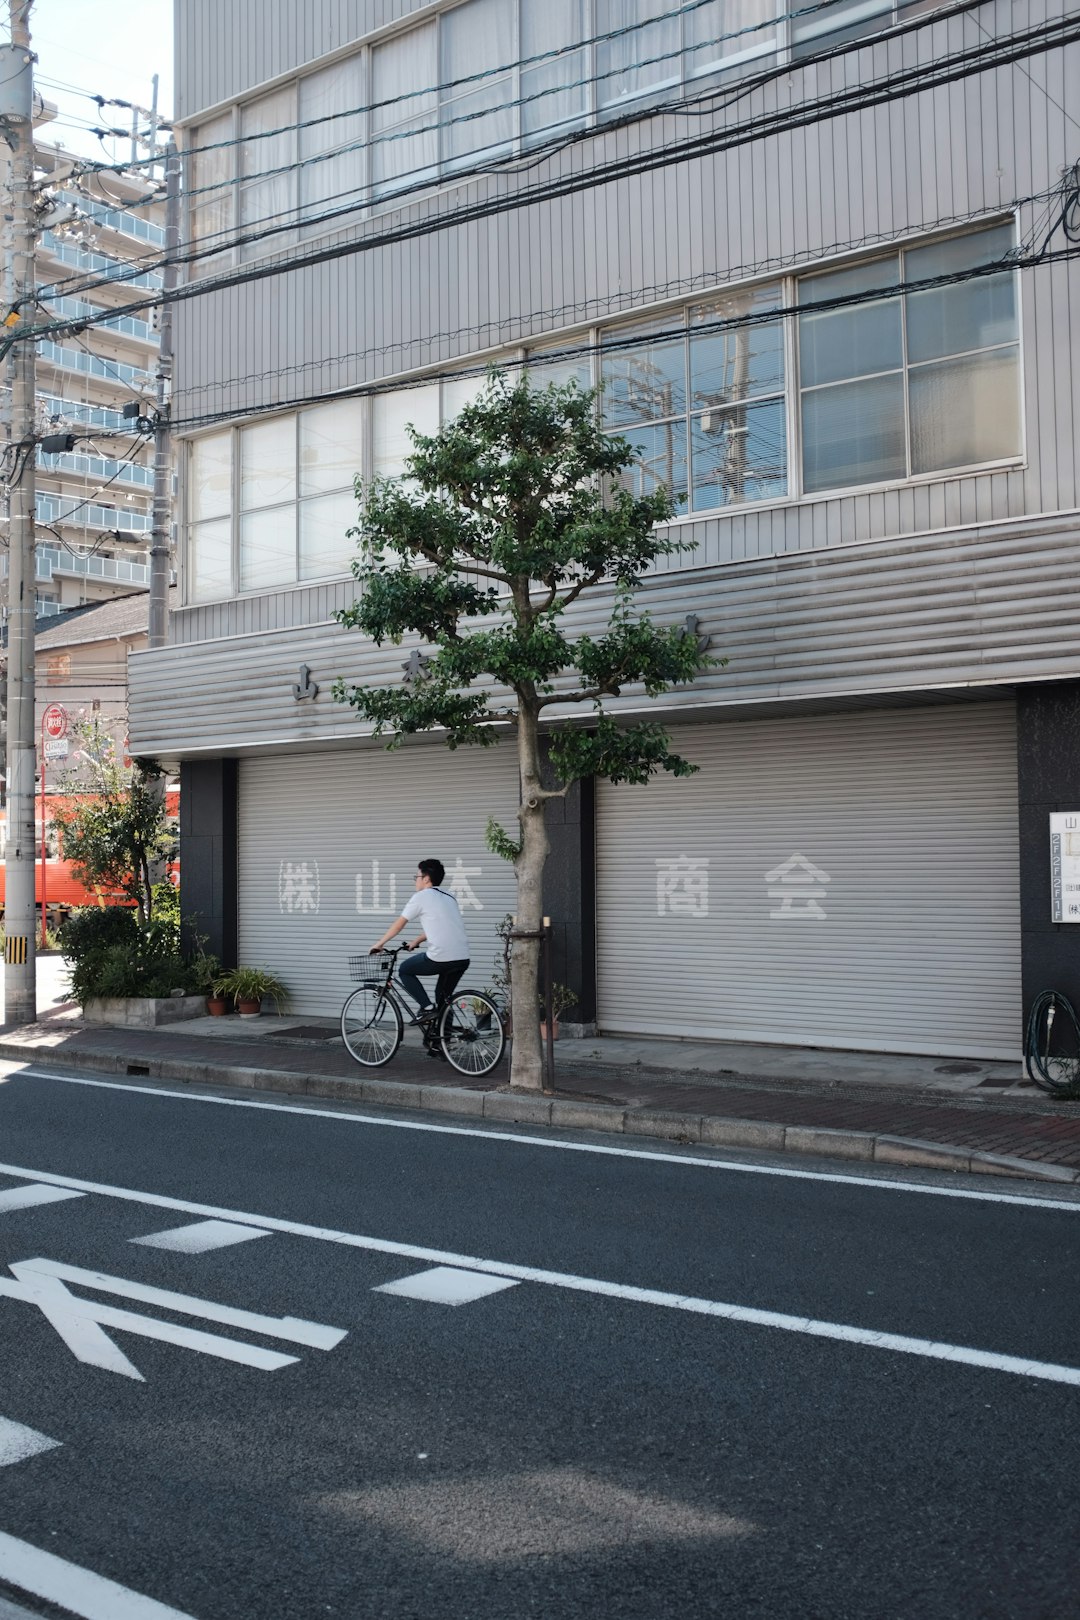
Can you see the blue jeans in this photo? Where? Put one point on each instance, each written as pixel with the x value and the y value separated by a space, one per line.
pixel 449 977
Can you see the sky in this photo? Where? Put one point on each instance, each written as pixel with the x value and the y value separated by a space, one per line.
pixel 104 47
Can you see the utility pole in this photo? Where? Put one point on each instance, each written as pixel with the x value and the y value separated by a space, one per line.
pixel 161 531
pixel 18 110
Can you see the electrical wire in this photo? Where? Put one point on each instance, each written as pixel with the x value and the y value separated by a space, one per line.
pixel 613 344
pixel 1057 1072
pixel 942 71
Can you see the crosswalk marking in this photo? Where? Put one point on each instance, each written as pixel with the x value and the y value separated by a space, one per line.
pixel 17 1442
pixel 201 1237
pixel 446 1285
pixel 34 1193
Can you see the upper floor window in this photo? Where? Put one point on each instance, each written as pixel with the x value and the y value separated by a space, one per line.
pixel 474 84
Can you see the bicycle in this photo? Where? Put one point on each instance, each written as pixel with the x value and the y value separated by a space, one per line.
pixel 467 1026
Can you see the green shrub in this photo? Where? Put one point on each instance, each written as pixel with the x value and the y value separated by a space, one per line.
pixel 111 955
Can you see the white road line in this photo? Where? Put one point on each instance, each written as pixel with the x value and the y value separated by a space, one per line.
pixel 930 1349
pixel 79 1591
pixel 200 1238
pixel 17 1442
pixel 868 1183
pixel 444 1285
pixel 27 1197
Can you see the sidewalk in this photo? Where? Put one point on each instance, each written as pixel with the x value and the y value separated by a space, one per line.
pixel 946 1114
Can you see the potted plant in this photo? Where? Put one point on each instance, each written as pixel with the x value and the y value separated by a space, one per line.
pixel 561 997
pixel 249 987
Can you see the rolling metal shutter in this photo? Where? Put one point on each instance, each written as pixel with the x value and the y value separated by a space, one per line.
pixel 834 880
pixel 328 846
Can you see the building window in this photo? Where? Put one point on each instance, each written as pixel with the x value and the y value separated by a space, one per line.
pixel 271 503
pixel 914 383
pixel 474 84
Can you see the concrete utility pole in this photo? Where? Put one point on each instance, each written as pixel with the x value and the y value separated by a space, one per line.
pixel 161 532
pixel 17 111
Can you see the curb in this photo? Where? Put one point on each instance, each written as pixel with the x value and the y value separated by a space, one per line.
pixel 514 1108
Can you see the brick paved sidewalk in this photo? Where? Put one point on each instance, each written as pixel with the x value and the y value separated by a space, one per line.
pixel 1033 1127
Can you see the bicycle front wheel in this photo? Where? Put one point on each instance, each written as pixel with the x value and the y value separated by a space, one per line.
pixel 471 1032
pixel 371 1026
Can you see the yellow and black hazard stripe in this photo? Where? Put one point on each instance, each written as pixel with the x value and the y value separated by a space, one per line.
pixel 16 948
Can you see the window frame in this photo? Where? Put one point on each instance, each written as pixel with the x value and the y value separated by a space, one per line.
pixel 594 115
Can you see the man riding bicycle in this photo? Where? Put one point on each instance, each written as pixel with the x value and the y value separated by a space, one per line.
pixel 447 955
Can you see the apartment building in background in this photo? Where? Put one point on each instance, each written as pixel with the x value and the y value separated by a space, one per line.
pixel 94 501
pixel 822 260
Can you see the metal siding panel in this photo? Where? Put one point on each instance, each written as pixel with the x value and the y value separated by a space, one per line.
pixel 329 817
pixel 912 814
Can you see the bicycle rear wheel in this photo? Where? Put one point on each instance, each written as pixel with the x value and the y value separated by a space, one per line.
pixel 371 1026
pixel 471 1032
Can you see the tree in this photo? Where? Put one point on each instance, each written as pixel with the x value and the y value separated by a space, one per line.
pixel 508 516
pixel 115 834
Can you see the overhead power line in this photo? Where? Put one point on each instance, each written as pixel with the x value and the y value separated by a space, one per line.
pixel 857 98
pixel 613 343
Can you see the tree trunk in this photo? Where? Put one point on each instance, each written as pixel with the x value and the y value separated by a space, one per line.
pixel 527 1066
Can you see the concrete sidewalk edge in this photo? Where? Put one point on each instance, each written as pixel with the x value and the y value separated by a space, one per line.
pixel 518 1108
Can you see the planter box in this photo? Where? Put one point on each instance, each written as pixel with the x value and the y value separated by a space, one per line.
pixel 143 1012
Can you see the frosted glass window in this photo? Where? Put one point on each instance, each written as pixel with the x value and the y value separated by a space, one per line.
pixel 268 169
pixel 210 561
pixel 210 176
pixel 391 415
pixel 268 548
pixel 210 477
pixel 838 20
pixel 268 462
pixel 458 392
pixel 331 441
pixel 404 133
pixel 332 151
pixel 855 340
pixel 477 118
pixel 964 412
pixel 727 32
pixel 554 93
pixel 638 60
pixel 325 547
pixel 559 368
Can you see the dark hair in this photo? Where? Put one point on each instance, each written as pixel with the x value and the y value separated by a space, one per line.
pixel 435 870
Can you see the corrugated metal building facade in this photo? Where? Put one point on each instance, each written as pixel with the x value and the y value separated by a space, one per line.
pixel 888 533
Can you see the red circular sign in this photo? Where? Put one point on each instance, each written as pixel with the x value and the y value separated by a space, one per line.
pixel 54 721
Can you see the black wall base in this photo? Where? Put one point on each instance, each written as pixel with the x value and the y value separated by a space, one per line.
pixel 208 893
pixel 1048 760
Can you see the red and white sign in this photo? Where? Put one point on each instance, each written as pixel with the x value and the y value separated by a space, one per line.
pixel 54 722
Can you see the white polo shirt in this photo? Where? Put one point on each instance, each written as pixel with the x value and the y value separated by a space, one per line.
pixel 440 919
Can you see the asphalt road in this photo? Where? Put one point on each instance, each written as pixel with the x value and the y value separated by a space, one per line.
pixel 694 1386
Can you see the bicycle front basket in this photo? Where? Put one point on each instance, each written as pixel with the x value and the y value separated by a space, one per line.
pixel 369 969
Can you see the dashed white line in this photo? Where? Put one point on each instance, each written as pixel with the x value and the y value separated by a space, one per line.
pixel 446 1285
pixel 1051 1372
pixel 28 1197
pixel 201 1237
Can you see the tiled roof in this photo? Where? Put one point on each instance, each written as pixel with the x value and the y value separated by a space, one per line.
pixel 98 621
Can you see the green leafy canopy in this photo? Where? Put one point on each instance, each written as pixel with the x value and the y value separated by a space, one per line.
pixel 505 518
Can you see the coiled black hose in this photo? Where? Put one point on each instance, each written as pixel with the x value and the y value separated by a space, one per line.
pixel 1056 1072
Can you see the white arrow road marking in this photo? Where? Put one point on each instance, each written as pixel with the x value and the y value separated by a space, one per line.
pixel 201 1237
pixel 445 1285
pixel 17 1442
pixel 78 1591
pixel 81 1322
pixel 36 1193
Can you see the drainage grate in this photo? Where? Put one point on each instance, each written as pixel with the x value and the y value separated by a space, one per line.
pixel 138 1068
